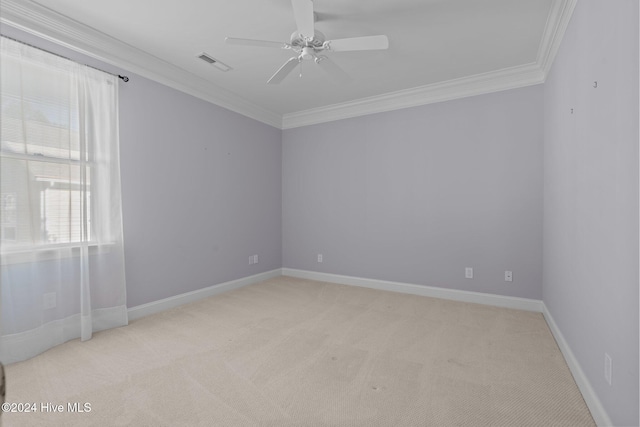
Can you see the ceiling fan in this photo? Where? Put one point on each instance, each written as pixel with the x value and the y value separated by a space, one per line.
pixel 308 43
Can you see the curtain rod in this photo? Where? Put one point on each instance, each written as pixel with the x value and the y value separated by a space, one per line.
pixel 124 78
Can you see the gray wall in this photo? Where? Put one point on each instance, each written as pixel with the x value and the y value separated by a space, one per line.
pixel 201 192
pixel 419 194
pixel 201 188
pixel 591 198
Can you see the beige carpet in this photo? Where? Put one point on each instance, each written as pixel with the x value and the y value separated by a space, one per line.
pixel 291 352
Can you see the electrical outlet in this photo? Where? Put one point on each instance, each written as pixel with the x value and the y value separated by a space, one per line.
pixel 48 300
pixel 255 259
pixel 319 257
pixel 608 368
pixel 468 273
pixel 251 260
pixel 508 276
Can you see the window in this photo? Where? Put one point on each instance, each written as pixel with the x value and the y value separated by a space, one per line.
pixel 48 155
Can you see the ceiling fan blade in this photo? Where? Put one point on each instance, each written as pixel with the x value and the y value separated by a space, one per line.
pixel 358 43
pixel 284 71
pixel 259 43
pixel 303 14
pixel 331 68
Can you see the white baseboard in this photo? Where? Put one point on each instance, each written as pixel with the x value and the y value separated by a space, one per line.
pixel 422 290
pixel 598 412
pixel 177 300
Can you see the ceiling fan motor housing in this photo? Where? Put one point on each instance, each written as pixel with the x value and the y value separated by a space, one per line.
pixel 316 42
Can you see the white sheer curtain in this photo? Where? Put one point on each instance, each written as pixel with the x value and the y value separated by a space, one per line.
pixel 61 244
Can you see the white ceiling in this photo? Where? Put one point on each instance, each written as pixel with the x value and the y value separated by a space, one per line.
pixel 438 49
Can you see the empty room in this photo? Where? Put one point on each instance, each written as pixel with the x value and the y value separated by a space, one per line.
pixel 320 213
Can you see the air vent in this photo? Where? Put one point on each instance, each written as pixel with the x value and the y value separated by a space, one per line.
pixel 213 61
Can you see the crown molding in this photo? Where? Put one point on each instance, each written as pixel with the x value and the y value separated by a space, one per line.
pixel 52 26
pixel 494 81
pixel 557 23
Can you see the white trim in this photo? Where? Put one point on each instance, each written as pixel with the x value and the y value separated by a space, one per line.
pixel 177 300
pixel 422 290
pixel 557 23
pixel 494 81
pixel 43 22
pixel 52 26
pixel 598 412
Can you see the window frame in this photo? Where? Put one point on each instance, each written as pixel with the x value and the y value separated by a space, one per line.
pixel 21 249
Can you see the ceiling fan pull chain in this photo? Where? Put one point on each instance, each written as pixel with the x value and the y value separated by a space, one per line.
pixel 300 69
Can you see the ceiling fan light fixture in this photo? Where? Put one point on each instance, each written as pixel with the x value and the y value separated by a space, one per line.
pixel 307 53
